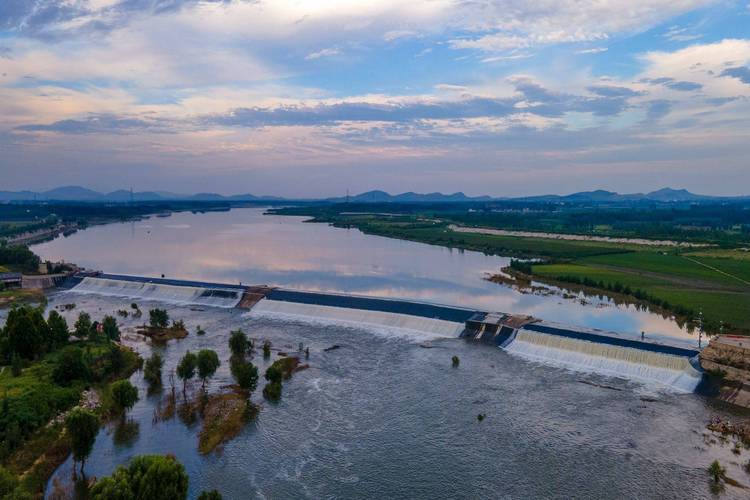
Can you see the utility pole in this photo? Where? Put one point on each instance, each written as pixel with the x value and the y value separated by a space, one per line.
pixel 700 327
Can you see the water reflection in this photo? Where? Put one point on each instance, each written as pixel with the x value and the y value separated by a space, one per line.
pixel 243 245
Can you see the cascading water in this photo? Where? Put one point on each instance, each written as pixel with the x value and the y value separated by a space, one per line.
pixel 419 327
pixel 183 295
pixel 674 372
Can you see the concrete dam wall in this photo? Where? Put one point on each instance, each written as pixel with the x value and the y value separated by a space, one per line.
pixel 607 353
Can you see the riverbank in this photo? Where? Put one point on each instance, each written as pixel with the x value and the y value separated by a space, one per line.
pixel 686 282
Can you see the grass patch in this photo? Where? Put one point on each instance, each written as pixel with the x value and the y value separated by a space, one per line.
pixel 20 296
pixel 224 417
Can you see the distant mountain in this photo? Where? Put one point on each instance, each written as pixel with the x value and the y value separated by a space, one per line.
pixel 77 193
pixel 80 194
pixel 410 197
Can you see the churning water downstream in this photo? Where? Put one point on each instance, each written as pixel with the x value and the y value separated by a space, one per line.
pixel 385 415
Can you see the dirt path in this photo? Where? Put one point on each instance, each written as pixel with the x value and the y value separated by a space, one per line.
pixel 718 270
pixel 674 280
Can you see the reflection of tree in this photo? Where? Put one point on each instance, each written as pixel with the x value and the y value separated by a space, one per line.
pixel 126 432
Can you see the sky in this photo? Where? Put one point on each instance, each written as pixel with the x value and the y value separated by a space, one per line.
pixel 310 98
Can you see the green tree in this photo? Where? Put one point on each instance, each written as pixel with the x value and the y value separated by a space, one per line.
pixel 210 495
pixel 246 375
pixel 152 369
pixel 83 426
pixel 58 328
pixel 71 365
pixel 83 326
pixel 110 328
pixel 147 477
pixel 186 368
pixel 124 395
pixel 207 364
pixel 25 333
pixel 158 318
pixel 238 343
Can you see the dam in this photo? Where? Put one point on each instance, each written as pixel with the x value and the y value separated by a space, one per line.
pixel 659 363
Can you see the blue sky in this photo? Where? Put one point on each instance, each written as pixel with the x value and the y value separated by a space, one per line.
pixel 314 97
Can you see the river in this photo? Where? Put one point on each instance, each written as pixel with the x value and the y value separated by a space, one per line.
pixel 383 416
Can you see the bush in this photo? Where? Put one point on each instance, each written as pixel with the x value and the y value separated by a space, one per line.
pixel 71 366
pixel 238 343
pixel 272 391
pixel 266 349
pixel 124 395
pixel 152 369
pixel 273 374
pixel 158 318
pixel 16 365
pixel 210 495
pixel 152 477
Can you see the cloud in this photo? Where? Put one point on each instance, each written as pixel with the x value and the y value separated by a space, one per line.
pixel 742 73
pixel 672 84
pixel 322 53
pixel 593 50
pixel 94 124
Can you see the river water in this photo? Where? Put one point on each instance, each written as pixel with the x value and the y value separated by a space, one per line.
pixel 384 416
pixel 243 245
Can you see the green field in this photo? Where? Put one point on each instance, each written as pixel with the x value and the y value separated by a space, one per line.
pixel 672 278
pixel 715 281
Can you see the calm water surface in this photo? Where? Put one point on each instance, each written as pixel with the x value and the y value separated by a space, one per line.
pixel 243 245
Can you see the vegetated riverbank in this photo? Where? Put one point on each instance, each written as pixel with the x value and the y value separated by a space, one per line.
pixel 684 282
pixel 46 375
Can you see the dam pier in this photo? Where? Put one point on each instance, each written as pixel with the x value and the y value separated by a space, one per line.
pixel 666 364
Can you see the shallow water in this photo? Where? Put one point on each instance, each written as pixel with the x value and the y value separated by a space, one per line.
pixel 386 417
pixel 243 245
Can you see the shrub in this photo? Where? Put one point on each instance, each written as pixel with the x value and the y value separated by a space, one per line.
pixel 152 477
pixel 266 349
pixel 210 495
pixel 16 365
pixel 272 391
pixel 152 369
pixel 273 374
pixel 158 318
pixel 238 343
pixel 455 361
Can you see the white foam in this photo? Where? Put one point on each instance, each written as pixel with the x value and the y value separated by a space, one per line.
pixel 665 370
pixel 182 295
pixel 384 323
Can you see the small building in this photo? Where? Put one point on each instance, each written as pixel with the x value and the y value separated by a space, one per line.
pixel 11 280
